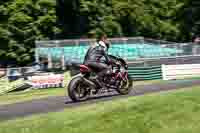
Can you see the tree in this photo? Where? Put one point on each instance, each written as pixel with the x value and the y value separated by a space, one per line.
pixel 149 18
pixel 191 18
pixel 25 22
pixel 70 20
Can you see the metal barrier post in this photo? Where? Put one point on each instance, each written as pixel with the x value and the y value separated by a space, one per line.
pixel 63 59
pixel 49 59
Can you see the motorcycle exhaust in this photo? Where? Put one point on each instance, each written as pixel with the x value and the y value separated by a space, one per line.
pixel 89 83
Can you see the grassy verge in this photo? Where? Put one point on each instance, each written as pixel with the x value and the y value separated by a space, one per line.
pixel 174 112
pixel 30 95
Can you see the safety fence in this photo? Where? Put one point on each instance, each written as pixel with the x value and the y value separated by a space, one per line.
pixel 57 53
pixel 21 71
pixel 145 73
pixel 136 72
pixel 165 72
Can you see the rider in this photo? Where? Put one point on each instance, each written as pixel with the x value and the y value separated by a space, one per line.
pixel 94 55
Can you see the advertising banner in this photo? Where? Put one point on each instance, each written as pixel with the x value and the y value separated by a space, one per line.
pixel 47 81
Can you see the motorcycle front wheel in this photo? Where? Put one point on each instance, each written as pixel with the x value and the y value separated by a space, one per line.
pixel 77 91
pixel 125 87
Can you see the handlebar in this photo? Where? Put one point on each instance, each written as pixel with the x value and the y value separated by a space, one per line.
pixel 121 61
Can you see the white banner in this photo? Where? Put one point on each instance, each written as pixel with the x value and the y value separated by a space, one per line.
pixel 47 81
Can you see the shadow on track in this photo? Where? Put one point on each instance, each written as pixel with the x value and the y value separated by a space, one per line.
pixel 93 98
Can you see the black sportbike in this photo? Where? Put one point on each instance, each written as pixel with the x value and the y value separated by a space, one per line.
pixel 83 84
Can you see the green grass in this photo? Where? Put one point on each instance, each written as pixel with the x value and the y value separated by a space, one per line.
pixel 174 112
pixel 16 97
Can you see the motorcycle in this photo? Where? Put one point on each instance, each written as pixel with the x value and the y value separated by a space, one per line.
pixel 83 85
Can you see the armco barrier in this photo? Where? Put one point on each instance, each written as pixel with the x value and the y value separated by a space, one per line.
pixel 145 73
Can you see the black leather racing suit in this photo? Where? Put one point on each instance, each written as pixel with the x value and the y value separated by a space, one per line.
pixel 93 60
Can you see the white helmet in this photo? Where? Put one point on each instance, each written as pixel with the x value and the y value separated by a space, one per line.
pixel 102 44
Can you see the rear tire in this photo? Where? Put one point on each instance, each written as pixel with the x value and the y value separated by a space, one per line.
pixel 77 91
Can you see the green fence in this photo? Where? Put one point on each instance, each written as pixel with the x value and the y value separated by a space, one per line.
pixel 145 73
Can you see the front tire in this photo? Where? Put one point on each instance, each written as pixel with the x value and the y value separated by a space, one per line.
pixel 77 91
pixel 125 87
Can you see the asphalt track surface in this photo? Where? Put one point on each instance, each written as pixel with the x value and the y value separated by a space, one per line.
pixel 58 103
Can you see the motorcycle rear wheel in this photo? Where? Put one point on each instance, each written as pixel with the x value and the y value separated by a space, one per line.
pixel 77 91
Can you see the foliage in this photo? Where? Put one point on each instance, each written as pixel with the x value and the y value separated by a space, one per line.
pixel 149 18
pixel 191 18
pixel 23 22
